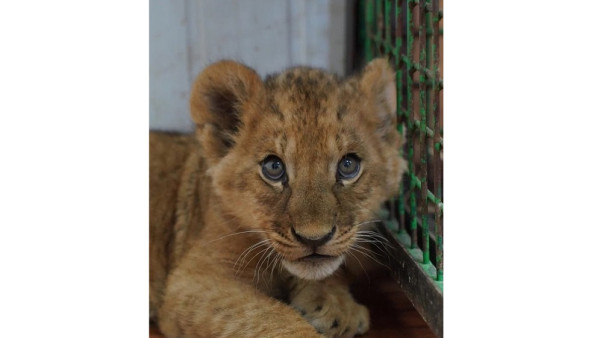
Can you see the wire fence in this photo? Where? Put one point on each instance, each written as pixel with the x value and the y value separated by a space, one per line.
pixel 410 34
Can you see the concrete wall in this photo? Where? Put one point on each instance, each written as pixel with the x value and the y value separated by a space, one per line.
pixel 267 35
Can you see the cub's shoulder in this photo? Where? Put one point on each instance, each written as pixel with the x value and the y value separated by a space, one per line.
pixel 163 141
pixel 169 147
pixel 168 154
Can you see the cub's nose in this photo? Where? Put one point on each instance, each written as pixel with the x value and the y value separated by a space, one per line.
pixel 313 241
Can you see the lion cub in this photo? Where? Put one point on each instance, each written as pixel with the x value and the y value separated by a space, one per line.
pixel 256 220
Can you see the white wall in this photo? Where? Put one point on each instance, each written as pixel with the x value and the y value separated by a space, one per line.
pixel 267 35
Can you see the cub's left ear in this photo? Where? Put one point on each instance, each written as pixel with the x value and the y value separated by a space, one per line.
pixel 378 85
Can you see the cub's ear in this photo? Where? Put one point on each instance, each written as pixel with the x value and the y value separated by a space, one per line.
pixel 378 85
pixel 220 97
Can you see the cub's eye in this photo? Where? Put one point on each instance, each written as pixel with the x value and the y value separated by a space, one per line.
pixel 348 167
pixel 273 168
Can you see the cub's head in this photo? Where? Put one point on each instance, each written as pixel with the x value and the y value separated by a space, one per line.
pixel 303 155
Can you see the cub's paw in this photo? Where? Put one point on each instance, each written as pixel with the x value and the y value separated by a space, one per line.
pixel 331 309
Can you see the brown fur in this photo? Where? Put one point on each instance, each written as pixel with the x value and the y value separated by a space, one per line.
pixel 223 258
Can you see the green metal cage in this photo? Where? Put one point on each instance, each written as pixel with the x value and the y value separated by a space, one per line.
pixel 409 33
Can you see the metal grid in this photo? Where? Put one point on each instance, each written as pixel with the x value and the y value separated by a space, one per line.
pixel 409 33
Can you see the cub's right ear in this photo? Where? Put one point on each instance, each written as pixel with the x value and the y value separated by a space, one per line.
pixel 222 94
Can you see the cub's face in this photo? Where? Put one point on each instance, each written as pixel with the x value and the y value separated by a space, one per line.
pixel 304 156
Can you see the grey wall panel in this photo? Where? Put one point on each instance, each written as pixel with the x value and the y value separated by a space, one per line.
pixel 267 35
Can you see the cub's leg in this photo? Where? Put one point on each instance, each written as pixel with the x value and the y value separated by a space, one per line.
pixel 202 301
pixel 329 307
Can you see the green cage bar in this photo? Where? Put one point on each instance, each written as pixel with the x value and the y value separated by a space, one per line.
pixel 409 33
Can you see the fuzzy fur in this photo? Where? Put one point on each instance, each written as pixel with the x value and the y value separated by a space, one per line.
pixel 223 258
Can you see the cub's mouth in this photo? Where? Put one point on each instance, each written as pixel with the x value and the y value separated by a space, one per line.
pixel 315 258
pixel 314 266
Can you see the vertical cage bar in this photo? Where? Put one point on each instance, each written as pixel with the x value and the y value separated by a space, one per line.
pixel 380 26
pixel 388 49
pixel 399 100
pixel 388 27
pixel 369 22
pixel 437 181
pixel 413 77
pixel 426 116
pixel 440 38
pixel 398 63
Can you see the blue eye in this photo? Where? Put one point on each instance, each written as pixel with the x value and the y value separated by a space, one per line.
pixel 273 168
pixel 348 167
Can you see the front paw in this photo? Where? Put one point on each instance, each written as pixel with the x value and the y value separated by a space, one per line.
pixel 331 309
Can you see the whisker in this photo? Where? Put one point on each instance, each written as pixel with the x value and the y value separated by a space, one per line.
pixel 361 266
pixel 268 251
pixel 378 237
pixel 374 240
pixel 261 261
pixel 361 251
pixel 381 238
pixel 371 233
pixel 277 260
pixel 367 222
pixel 242 268
pixel 283 240
pixel 377 244
pixel 272 264
pixel 350 234
pixel 368 256
pixel 262 253
pixel 235 234
pixel 268 259
pixel 367 250
pixel 248 250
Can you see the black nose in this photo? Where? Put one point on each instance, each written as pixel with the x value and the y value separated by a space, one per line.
pixel 313 242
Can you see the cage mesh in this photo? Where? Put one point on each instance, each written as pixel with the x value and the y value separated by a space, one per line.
pixel 409 33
